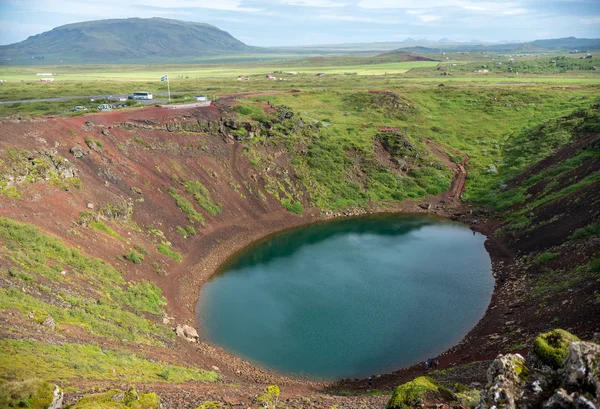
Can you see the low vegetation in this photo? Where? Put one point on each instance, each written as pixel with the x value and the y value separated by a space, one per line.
pixel 77 361
pixel 202 196
pixel 414 393
pixel 186 207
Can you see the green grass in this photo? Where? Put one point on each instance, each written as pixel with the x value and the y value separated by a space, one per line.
pixel 99 225
pixel 546 257
pixel 62 362
pixel 31 393
pixel 99 299
pixel 165 248
pixel 117 399
pixel 186 206
pixel 202 196
pixel 591 230
pixel 294 207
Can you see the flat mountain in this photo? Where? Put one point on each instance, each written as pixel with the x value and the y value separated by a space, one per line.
pixel 124 40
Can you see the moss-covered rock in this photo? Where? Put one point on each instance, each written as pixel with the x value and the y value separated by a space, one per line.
pixel 31 393
pixel 117 399
pixel 552 347
pixel 416 391
pixel 469 398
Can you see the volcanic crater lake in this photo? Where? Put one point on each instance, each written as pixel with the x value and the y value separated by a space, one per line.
pixel 349 298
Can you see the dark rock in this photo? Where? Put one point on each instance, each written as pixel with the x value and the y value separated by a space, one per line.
pixel 78 151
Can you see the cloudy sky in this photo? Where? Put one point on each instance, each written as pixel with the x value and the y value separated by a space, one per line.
pixel 299 22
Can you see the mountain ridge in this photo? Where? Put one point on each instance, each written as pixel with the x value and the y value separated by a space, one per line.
pixel 124 40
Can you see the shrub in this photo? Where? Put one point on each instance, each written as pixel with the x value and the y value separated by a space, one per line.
pixel 181 231
pixel 546 257
pixel 594 265
pixel 191 230
pixel 140 249
pixel 552 347
pixel 269 397
pixel 591 230
pixel 134 257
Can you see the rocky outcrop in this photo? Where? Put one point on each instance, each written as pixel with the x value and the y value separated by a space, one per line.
pixel 536 382
pixel 23 166
pixel 506 377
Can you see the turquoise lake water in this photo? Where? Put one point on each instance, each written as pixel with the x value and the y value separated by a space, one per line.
pixel 350 298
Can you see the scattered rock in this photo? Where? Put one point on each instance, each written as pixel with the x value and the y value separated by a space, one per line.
pixel 78 151
pixel 49 322
pixel 90 205
pixel 57 400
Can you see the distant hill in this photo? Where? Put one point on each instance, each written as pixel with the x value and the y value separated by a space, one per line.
pixel 123 40
pixel 537 46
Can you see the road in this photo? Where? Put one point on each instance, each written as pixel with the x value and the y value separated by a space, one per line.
pixel 146 102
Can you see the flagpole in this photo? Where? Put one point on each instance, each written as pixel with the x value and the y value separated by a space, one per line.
pixel 169 87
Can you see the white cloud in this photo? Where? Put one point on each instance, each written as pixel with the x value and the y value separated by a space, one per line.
pixel 590 20
pixel 313 3
pixel 336 17
pixel 513 12
pixel 137 8
pixel 428 17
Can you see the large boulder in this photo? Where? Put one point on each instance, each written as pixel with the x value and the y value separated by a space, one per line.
pixel 188 333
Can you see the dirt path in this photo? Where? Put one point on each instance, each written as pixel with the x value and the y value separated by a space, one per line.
pixel 457 185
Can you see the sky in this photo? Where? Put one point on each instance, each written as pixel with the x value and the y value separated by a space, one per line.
pixel 303 22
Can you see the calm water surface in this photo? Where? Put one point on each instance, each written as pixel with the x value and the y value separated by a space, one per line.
pixel 350 298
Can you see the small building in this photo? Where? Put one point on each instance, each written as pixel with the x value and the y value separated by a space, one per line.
pixel 47 79
pixel 201 98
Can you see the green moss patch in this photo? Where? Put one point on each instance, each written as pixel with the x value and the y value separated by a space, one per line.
pixel 414 393
pixel 118 399
pixel 552 347
pixel 32 394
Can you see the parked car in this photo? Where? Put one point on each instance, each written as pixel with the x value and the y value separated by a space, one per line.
pixel 105 107
pixel 79 108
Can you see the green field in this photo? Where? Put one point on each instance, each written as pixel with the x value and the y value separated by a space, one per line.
pixel 150 73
